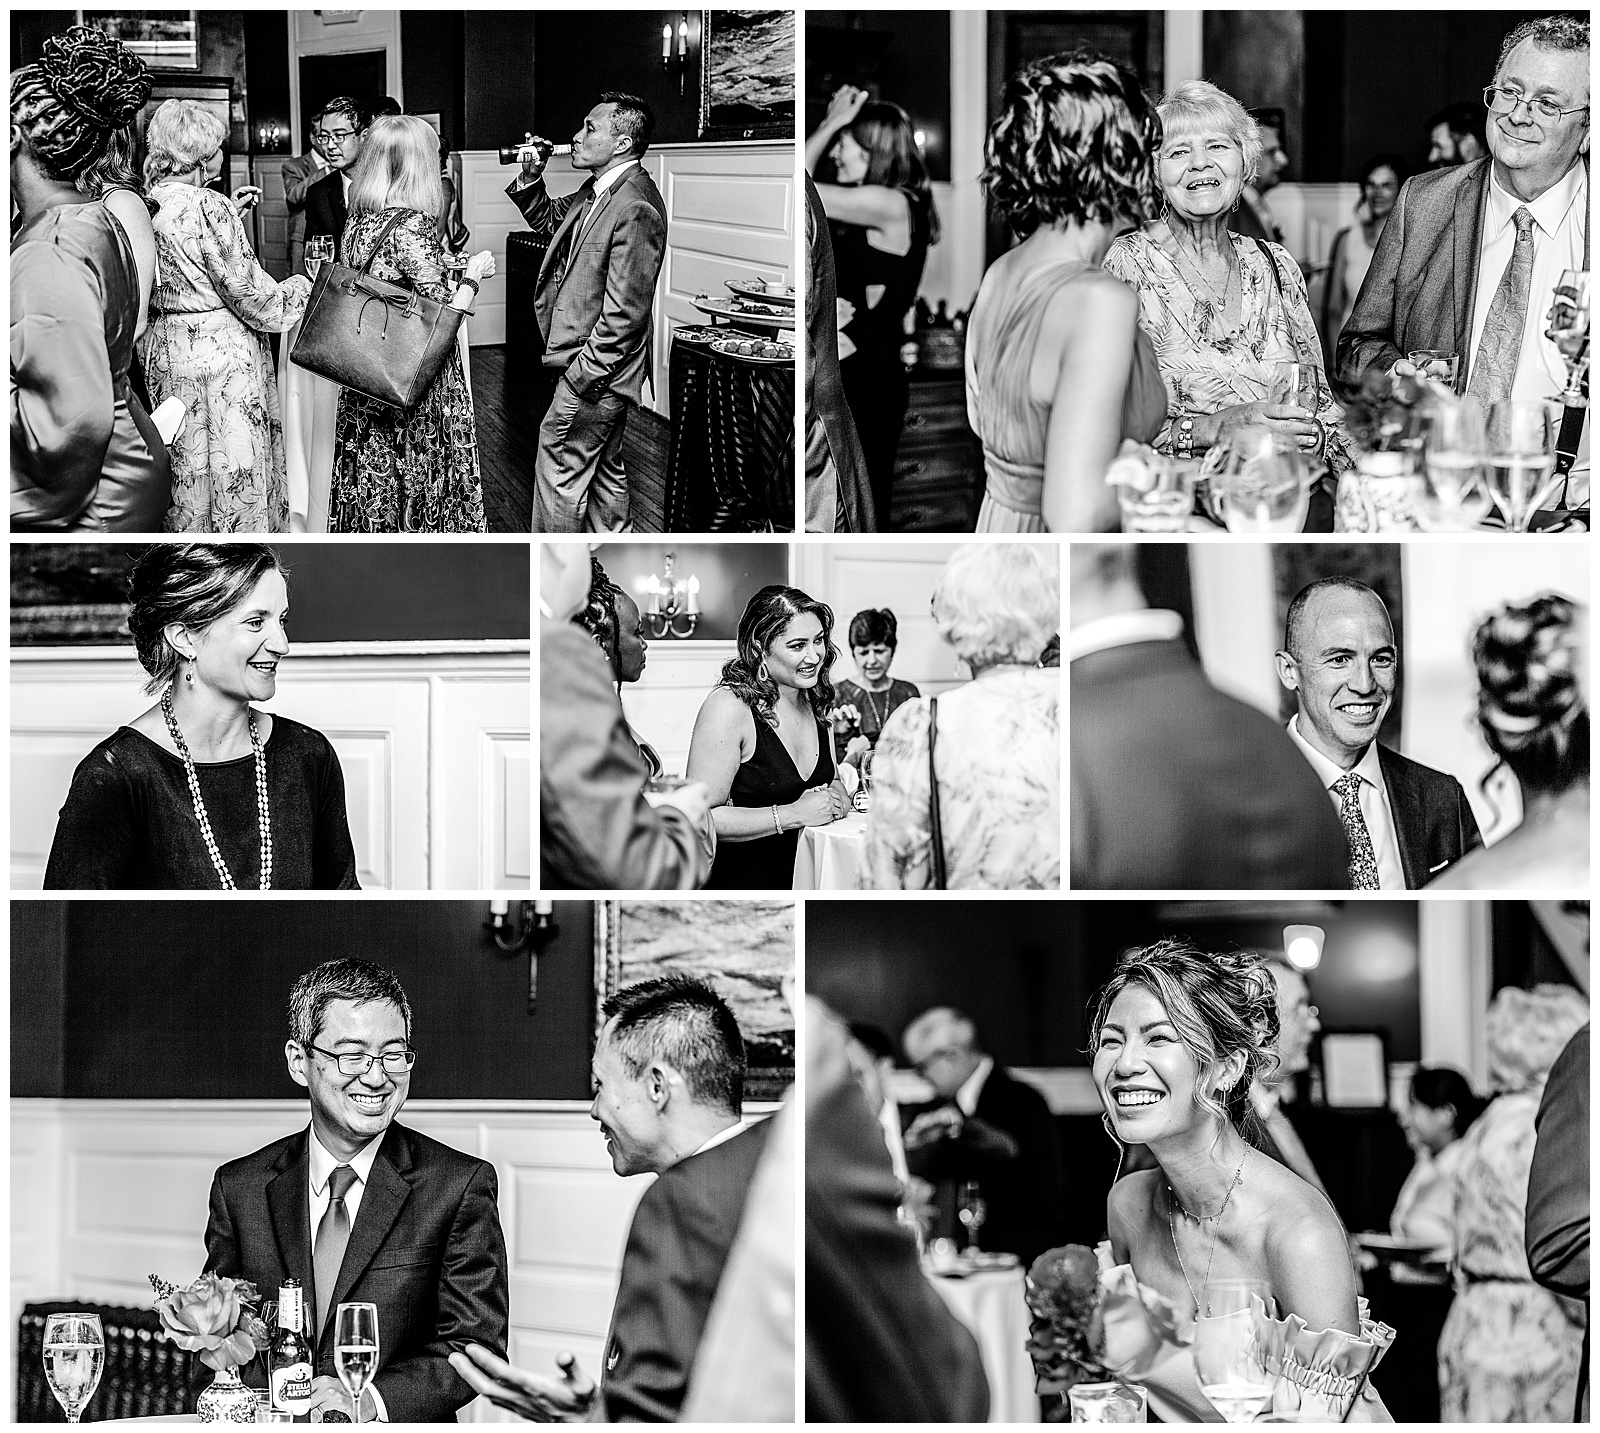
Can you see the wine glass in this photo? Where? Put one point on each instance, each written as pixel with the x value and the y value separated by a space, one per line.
pixel 319 249
pixel 1453 454
pixel 1569 331
pixel 972 1209
pixel 1297 384
pixel 355 1348
pixel 1166 505
pixel 74 1356
pixel 1264 484
pixel 1439 364
pixel 1107 1403
pixel 1522 459
pixel 1228 1356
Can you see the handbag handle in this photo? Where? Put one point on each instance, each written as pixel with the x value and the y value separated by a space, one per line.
pixel 383 234
pixel 935 827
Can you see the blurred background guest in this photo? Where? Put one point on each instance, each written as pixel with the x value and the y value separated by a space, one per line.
pixel 865 704
pixel 1438 1111
pixel 1456 135
pixel 84 454
pixel 1254 218
pixel 880 207
pixel 762 744
pixel 1298 1024
pixel 966 788
pixel 612 618
pixel 114 180
pixel 207 342
pixel 1533 716
pixel 1511 1350
pixel 1351 254
pixel 871 1053
pixel 1058 371
pixel 299 174
pixel 412 469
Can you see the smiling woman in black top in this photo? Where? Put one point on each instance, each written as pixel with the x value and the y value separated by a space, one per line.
pixel 202 790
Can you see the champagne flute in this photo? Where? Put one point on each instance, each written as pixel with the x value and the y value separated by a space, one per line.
pixel 1522 459
pixel 1569 331
pixel 319 248
pixel 355 1348
pixel 972 1210
pixel 74 1356
pixel 1453 497
pixel 1228 1356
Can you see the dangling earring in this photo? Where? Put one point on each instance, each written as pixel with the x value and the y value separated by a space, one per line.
pixel 761 672
pixel 1235 208
pixel 1122 1149
pixel 188 676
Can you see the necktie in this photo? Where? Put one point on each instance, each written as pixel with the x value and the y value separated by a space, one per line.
pixel 575 233
pixel 1363 860
pixel 1495 366
pixel 333 1234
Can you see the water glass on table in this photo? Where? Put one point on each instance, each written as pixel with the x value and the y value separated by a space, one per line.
pixel 1522 459
pixel 318 250
pixel 1166 505
pixel 1264 484
pixel 1439 364
pixel 1107 1403
pixel 1228 1357
pixel 971 1210
pixel 1453 497
pixel 74 1357
pixel 355 1349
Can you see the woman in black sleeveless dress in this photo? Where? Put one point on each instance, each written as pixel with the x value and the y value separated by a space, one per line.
pixel 761 741
pixel 880 204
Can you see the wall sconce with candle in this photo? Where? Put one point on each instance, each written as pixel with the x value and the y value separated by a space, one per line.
pixel 680 58
pixel 673 609
pixel 269 136
pixel 531 929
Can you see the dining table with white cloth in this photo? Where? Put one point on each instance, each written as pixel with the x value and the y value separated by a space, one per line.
pixel 830 858
pixel 991 1304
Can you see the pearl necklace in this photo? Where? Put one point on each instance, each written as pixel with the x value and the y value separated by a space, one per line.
pixel 263 815
pixel 1213 1220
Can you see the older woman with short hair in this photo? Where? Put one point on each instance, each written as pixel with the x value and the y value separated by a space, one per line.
pixel 207 345
pixel 1220 309
pixel 990 817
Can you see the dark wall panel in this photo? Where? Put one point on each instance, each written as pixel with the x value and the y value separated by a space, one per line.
pixel 172 1000
pixel 498 48
pixel 433 67
pixel 266 56
pixel 38 999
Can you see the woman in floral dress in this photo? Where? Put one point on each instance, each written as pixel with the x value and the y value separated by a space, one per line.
pixel 206 345
pixel 413 470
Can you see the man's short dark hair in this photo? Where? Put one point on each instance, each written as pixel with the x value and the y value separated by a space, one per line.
pixel 683 1023
pixel 343 105
pixel 357 980
pixel 387 105
pixel 1294 623
pixel 1270 115
pixel 874 1038
pixel 632 117
pixel 1461 120
pixel 1550 32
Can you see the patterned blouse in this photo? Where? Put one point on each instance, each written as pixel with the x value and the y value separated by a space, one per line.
pixel 998 755
pixel 1208 368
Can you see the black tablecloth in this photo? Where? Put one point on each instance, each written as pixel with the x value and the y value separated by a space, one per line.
pixel 732 466
pixel 524 256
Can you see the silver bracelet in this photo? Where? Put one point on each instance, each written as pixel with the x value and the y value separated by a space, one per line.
pixel 777 825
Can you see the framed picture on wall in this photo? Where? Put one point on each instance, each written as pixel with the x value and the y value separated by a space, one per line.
pixel 163 39
pixel 747 60
pixel 744 949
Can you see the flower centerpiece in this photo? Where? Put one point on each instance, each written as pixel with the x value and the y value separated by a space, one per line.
pixel 1065 1329
pixel 1378 495
pixel 216 1318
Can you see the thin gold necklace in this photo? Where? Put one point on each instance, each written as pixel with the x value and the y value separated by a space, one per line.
pixel 1214 1220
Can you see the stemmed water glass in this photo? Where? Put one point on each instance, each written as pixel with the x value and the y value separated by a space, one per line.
pixel 355 1348
pixel 1453 457
pixel 1228 1355
pixel 1264 484
pixel 74 1356
pixel 1569 330
pixel 1522 459
pixel 972 1209
pixel 318 250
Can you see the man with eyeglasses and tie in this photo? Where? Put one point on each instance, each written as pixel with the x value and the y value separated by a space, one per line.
pixel 1471 256
pixel 339 131
pixel 361 1209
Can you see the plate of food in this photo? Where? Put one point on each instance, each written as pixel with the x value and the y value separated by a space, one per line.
pixel 763 291
pixel 753 312
pixel 754 350
pixel 698 333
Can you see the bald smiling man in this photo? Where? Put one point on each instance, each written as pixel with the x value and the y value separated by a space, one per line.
pixel 1404 822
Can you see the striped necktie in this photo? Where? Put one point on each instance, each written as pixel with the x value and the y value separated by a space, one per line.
pixel 1363 859
pixel 575 233
pixel 333 1235
pixel 1495 366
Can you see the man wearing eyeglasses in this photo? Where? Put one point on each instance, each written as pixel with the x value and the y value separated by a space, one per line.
pixel 299 174
pixel 361 1209
pixel 338 132
pixel 1471 256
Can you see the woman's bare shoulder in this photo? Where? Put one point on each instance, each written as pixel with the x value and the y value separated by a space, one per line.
pixel 1133 1196
pixel 724 709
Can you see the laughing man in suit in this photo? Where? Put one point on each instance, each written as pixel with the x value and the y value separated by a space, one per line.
pixel 359 1208
pixel 594 306
pixel 668 1086
pixel 1404 822
pixel 340 130
pixel 1471 253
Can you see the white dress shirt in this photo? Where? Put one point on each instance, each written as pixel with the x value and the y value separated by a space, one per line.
pixel 608 180
pixel 721 1137
pixel 971 1091
pixel 1123 629
pixel 1558 219
pixel 1374 798
pixel 322 1166
pixel 889 1123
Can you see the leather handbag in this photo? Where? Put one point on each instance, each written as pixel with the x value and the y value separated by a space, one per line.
pixel 373 337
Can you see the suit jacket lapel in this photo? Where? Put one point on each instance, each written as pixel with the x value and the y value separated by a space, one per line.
pixel 1410 820
pixel 381 1202
pixel 1466 228
pixel 567 221
pixel 289 1208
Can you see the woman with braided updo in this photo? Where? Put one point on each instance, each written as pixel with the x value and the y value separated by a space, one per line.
pixel 1177 1037
pixel 1058 372
pixel 1534 716
pixel 84 455
pixel 613 619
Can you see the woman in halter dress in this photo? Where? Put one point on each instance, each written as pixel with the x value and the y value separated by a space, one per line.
pixel 1058 372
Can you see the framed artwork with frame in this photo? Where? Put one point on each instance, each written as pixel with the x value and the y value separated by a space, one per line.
pixel 747 74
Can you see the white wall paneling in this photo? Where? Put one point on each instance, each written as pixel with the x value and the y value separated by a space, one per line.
pixel 434 739
pixel 730 215
pixel 662 705
pixel 271 219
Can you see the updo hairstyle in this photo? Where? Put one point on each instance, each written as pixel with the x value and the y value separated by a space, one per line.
pixel 765 619
pixel 1438 1086
pixel 874 627
pixel 1220 1005
pixel 85 87
pixel 193 583
pixel 1530 708
pixel 599 614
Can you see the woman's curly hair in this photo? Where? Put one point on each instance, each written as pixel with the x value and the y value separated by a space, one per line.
pixel 874 626
pixel 765 620
pixel 85 88
pixel 1075 142
pixel 1530 708
pixel 1220 1005
pixel 599 614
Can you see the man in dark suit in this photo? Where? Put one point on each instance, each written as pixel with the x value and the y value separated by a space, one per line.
pixel 339 130
pixel 1254 218
pixel 669 1085
pixel 1174 784
pixel 1404 822
pixel 299 174
pixel 359 1208
pixel 594 302
pixel 983 1125
pixel 1471 253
